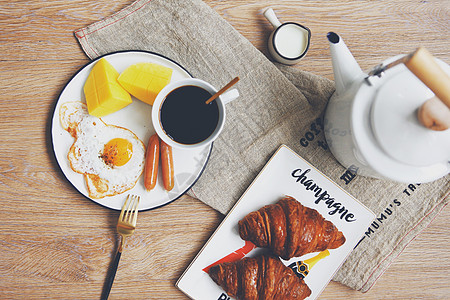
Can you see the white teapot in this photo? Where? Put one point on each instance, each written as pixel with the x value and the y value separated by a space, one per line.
pixel 371 122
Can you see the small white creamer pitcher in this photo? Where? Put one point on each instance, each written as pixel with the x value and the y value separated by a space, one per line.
pixel 289 41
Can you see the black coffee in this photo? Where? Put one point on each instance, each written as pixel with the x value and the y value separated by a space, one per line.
pixel 186 118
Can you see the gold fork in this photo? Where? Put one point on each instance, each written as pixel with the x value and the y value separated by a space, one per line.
pixel 125 227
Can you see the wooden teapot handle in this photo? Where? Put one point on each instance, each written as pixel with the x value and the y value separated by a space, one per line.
pixel 435 112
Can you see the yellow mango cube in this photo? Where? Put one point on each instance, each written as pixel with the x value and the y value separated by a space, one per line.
pixel 145 80
pixel 104 95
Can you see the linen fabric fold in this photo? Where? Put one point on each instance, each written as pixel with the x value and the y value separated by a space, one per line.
pixel 278 105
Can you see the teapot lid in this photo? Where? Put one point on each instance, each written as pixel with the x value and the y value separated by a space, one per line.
pixel 396 127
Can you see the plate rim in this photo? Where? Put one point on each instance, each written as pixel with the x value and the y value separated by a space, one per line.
pixel 92 61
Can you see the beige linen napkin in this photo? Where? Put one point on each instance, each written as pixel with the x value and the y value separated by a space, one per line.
pixel 278 105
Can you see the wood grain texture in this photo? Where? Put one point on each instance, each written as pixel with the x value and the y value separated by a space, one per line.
pixel 55 243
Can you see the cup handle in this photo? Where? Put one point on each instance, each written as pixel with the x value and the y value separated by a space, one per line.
pixel 229 96
pixel 272 18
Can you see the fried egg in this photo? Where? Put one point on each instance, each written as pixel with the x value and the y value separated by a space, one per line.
pixel 110 157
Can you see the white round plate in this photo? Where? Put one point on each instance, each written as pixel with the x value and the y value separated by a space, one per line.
pixel 188 164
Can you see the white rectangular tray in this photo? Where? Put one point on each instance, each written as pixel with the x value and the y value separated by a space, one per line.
pixel 286 174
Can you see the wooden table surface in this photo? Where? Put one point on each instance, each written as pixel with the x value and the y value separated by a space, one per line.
pixel 55 243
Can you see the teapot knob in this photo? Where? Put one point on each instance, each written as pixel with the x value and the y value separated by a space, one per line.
pixel 434 114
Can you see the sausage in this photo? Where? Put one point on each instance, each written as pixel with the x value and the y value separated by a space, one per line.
pixel 167 166
pixel 151 162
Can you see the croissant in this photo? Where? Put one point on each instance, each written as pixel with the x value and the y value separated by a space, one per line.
pixel 290 229
pixel 261 277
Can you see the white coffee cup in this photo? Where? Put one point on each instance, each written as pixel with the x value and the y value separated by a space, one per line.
pixel 221 101
pixel 289 41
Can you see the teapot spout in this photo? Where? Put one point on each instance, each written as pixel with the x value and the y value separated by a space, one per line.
pixel 346 69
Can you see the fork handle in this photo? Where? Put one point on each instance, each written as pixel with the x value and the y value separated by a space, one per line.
pixel 111 275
